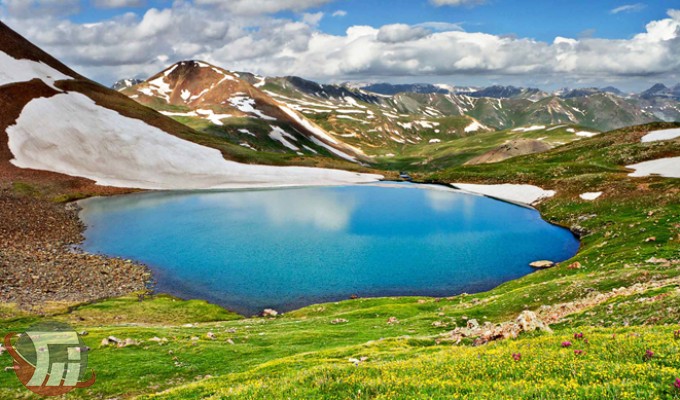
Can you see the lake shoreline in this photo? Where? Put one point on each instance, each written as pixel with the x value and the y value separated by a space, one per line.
pixel 179 290
pixel 29 285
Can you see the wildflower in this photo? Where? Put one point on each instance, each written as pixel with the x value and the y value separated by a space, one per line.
pixel 566 344
pixel 676 334
pixel 578 336
pixel 677 383
pixel 586 341
pixel 649 355
pixel 578 352
pixel 516 356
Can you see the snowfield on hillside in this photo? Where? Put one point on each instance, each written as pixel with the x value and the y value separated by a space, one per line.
pixel 70 134
pixel 665 134
pixel 13 70
pixel 667 167
pixel 522 194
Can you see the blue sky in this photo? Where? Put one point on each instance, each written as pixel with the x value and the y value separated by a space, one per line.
pixel 625 43
pixel 541 20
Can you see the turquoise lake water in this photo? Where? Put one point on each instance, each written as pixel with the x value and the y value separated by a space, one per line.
pixel 287 248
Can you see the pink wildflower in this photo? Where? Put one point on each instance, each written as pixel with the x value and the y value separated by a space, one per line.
pixel 566 344
pixel 517 356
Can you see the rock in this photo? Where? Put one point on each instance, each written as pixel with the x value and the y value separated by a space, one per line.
pixel 339 321
pixel 655 260
pixel 542 264
pixel 392 321
pixel 268 312
pixel 84 333
pixel 158 340
pixel 211 336
pixel 422 301
pixel 472 324
pixel 650 239
pixel 230 341
pixel 114 340
pixel 528 321
pixel 105 342
pixel 575 265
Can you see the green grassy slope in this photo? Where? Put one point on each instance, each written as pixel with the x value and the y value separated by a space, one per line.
pixel 624 302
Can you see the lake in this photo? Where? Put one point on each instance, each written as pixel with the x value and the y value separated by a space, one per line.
pixel 248 250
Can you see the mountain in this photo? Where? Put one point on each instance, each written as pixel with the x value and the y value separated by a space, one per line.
pixel 356 123
pixel 222 104
pixel 660 90
pixel 59 127
pixel 389 89
pixel 508 92
pixel 125 83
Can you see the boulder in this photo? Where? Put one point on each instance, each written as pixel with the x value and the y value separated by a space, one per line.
pixel 268 312
pixel 542 264
pixel 528 321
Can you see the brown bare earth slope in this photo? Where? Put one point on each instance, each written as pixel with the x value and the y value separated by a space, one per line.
pixel 513 148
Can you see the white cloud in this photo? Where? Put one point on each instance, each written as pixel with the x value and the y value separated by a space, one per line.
pixel 340 14
pixel 312 19
pixel 118 3
pixel 397 33
pixel 628 8
pixel 456 3
pixel 139 46
pixel 35 8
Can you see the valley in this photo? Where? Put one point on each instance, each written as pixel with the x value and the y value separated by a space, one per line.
pixel 197 158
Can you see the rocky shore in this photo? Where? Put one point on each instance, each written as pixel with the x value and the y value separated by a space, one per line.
pixel 40 265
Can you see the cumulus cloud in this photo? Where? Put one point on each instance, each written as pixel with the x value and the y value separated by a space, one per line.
pixel 628 8
pixel 397 33
pixel 133 45
pixel 118 3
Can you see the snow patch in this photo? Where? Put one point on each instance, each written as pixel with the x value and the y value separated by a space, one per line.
pixel 212 117
pixel 280 136
pixel 474 127
pixel 586 134
pixel 529 129
pixel 247 105
pixel 590 196
pixel 90 141
pixel 333 149
pixel 523 194
pixel 435 141
pixel 666 134
pixel 668 167
pixel 13 70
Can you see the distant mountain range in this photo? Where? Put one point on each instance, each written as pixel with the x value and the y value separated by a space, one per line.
pixel 360 121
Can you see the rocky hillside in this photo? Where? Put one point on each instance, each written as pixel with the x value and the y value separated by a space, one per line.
pixel 220 103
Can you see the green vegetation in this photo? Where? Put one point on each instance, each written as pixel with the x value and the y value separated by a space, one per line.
pixel 621 290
